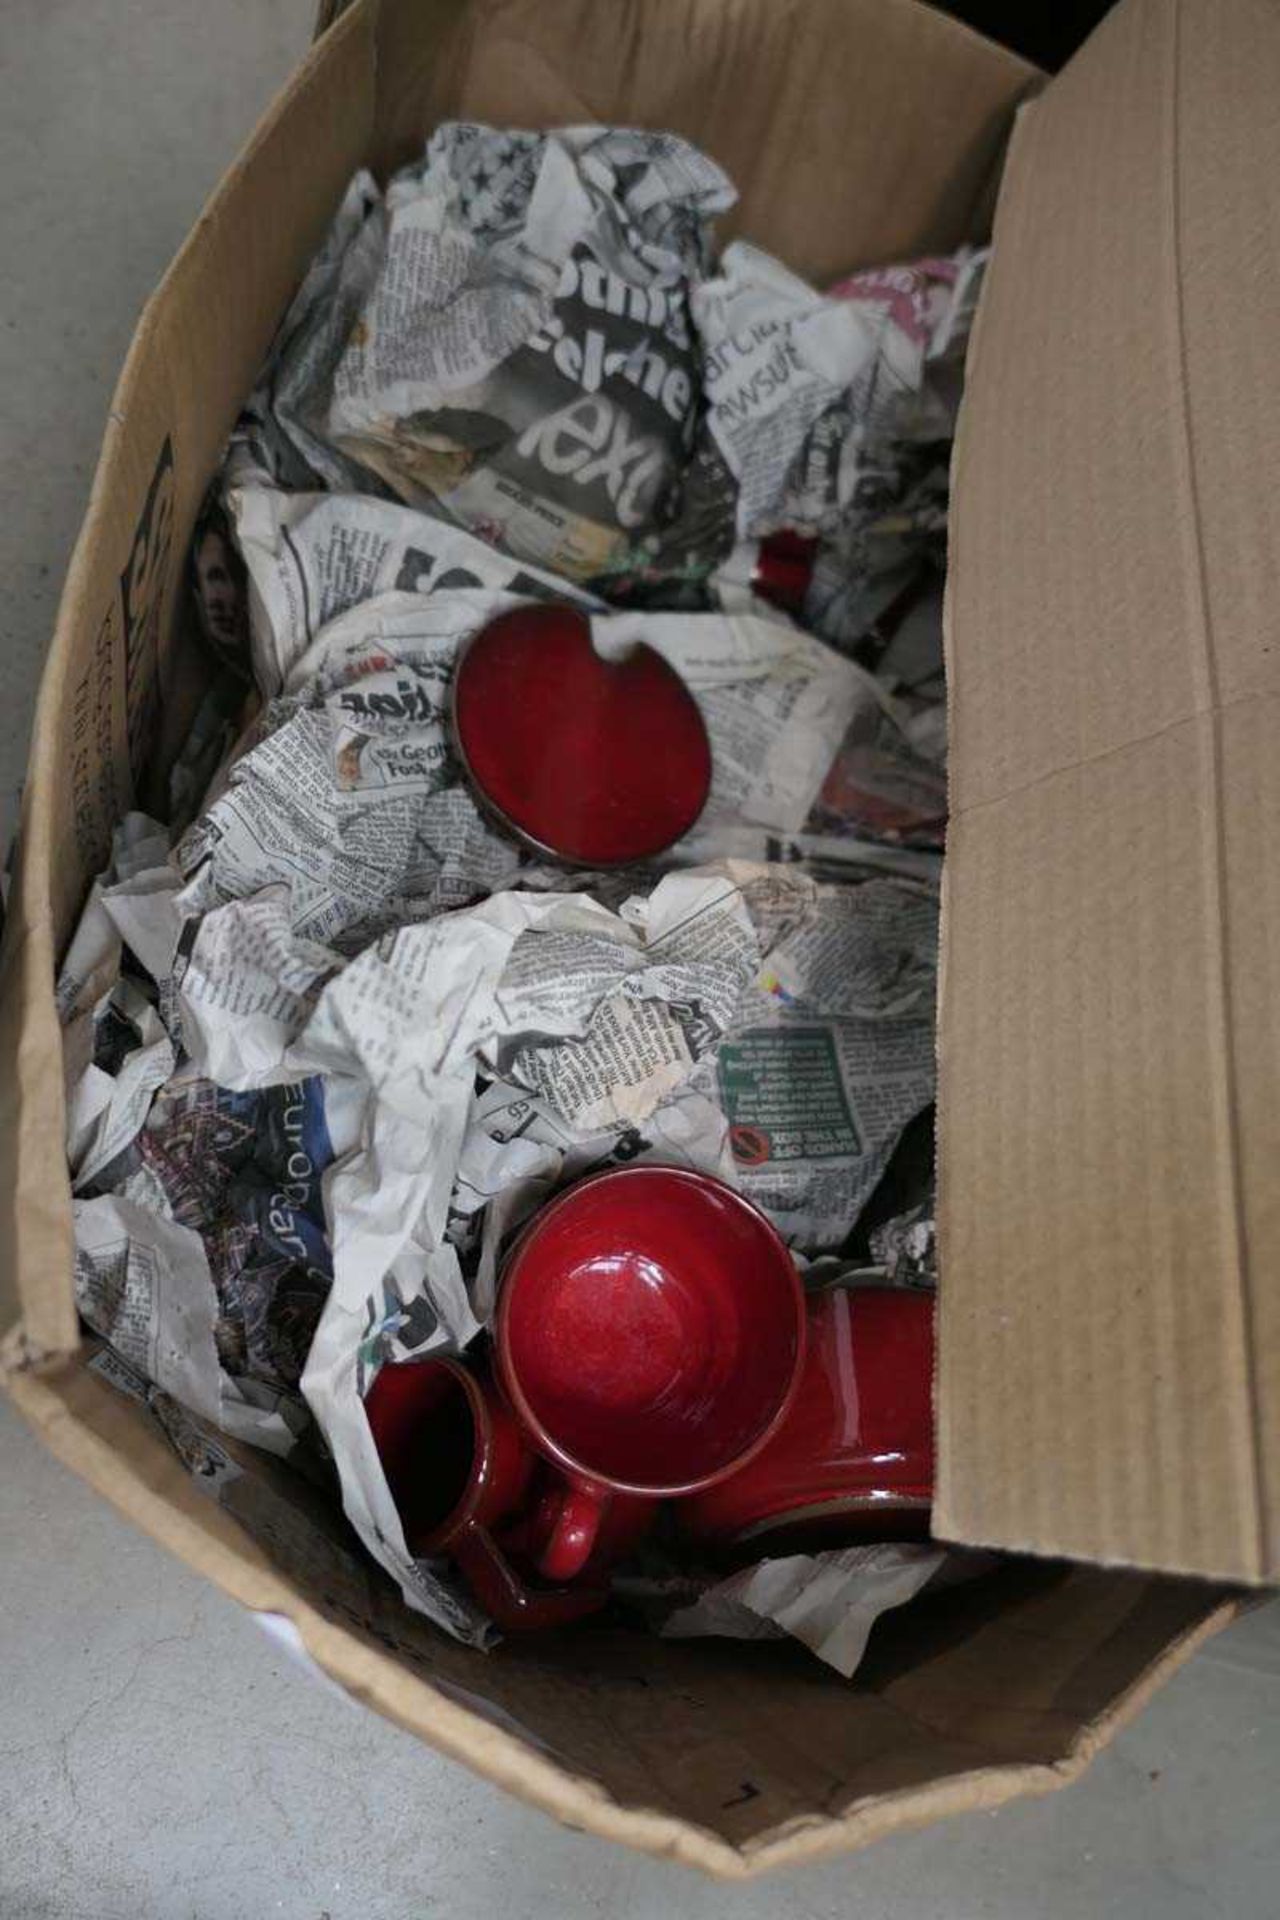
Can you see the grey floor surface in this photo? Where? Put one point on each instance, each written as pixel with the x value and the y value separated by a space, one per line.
pixel 160 1758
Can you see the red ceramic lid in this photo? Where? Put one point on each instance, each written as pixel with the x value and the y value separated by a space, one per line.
pixel 597 762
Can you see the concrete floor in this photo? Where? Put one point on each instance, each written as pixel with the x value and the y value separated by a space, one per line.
pixel 160 1758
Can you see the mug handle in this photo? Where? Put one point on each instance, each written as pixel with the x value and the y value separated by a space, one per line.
pixel 509 1603
pixel 574 1530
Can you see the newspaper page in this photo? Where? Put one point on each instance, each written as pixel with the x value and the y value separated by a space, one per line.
pixel 247 1172
pixel 794 381
pixel 805 743
pixel 905 1247
pixel 559 991
pixel 776 704
pixel 891 540
pixel 312 556
pixel 135 903
pixel 108 1104
pixel 864 571
pixel 148 912
pixel 828 1601
pixel 812 397
pixel 518 1148
pixel 525 362
pixel 886 783
pixel 118 1046
pixel 92 961
pixel 930 302
pixel 244 1173
pixel 880 784
pixel 906 654
pixel 143 1282
pixel 352 795
pixel 830 1055
pixel 405 1021
pixel 282 435
pixel 401 1317
pixel 627 1019
pixel 349 794
pixel 247 988
pixel 414 1017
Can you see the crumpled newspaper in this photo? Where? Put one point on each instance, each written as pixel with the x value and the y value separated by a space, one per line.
pixel 201 1250
pixel 833 415
pixel 108 1097
pixel 602 1015
pixel 862 575
pixel 880 784
pixel 524 360
pixel 889 550
pixel 829 1601
pixel 246 1171
pixel 117 1047
pixel 831 1052
pixel 906 1246
pixel 776 704
pixel 348 795
pixel 802 738
pixel 282 435
pixel 906 655
pixel 794 382
pixel 143 1281
pixel 811 396
pixel 311 556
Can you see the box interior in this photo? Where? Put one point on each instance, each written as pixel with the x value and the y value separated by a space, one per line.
pixel 858 131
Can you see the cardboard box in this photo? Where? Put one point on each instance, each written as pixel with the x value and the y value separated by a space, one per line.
pixel 1109 1383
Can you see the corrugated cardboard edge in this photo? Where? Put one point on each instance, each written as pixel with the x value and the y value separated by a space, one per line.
pixel 946 1526
pixel 378 1680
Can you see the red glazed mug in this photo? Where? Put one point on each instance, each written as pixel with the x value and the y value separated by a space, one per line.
pixel 463 1478
pixel 854 1459
pixel 650 1334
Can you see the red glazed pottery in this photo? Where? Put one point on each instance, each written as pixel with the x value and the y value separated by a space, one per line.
pixel 546 1534
pixel 854 1458
pixel 459 1469
pixel 596 762
pixel 650 1334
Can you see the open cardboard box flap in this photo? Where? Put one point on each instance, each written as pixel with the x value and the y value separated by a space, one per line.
pixel 1107 1379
